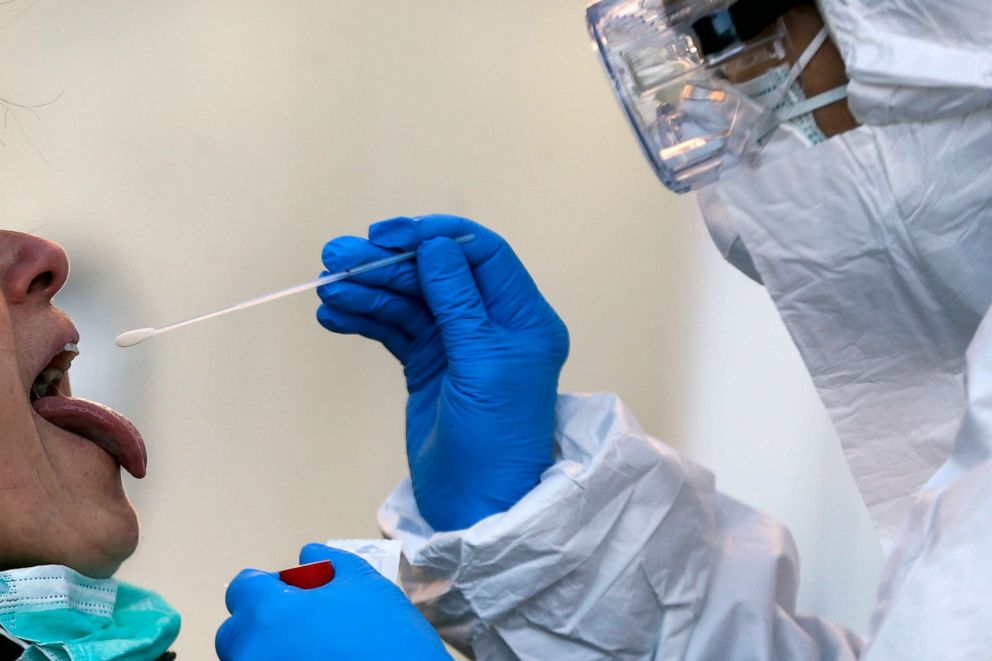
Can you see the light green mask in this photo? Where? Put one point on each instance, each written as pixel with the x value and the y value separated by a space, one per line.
pixel 61 615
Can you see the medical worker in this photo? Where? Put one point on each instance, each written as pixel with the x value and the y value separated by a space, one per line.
pixel 547 526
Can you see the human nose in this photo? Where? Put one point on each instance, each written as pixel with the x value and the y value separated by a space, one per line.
pixel 39 270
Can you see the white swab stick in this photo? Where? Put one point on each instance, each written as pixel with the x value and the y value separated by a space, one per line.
pixel 139 335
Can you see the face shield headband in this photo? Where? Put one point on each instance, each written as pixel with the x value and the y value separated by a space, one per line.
pixel 681 69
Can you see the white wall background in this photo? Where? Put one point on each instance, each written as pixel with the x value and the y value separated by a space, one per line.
pixel 203 150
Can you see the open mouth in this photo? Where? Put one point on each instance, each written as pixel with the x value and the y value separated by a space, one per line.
pixel 51 399
pixel 49 380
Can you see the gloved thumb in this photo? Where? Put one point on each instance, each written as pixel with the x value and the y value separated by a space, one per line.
pixel 450 289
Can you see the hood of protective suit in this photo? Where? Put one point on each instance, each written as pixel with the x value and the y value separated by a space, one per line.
pixel 875 244
pixel 913 60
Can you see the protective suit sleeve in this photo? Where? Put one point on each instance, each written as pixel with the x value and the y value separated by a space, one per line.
pixel 623 551
pixel 934 597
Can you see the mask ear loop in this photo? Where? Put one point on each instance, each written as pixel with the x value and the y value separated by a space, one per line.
pixel 813 103
pixel 770 120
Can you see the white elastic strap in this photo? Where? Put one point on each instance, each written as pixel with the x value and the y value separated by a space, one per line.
pixel 815 103
pixel 771 120
pixel 803 61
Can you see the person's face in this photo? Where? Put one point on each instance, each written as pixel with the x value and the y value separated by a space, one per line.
pixel 61 497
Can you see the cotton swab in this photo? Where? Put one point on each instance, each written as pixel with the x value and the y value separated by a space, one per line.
pixel 139 335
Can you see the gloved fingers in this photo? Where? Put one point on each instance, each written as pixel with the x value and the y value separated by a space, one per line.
pixel 346 252
pixel 347 323
pixel 384 305
pixel 248 586
pixel 404 233
pixel 511 297
pixel 450 290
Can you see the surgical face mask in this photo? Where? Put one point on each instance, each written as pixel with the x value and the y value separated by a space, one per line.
pixel 58 614
pixel 686 74
pixel 794 136
pixel 874 246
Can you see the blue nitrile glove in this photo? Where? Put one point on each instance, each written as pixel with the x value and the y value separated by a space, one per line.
pixel 481 350
pixel 358 615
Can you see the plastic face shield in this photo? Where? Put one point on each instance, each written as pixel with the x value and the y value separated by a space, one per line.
pixel 675 66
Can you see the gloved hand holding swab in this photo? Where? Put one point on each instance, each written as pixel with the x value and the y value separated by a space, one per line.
pixel 139 335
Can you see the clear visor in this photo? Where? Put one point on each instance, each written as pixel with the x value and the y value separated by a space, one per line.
pixel 680 85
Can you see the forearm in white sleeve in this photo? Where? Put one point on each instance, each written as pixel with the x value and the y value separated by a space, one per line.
pixel 623 551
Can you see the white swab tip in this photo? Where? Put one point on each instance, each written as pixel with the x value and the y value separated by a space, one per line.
pixel 132 337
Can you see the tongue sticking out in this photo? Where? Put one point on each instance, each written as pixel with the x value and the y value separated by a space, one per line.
pixel 99 424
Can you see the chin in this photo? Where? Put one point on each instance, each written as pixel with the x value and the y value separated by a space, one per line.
pixel 116 544
pixel 96 550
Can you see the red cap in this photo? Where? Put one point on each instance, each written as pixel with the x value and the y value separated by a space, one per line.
pixel 308 576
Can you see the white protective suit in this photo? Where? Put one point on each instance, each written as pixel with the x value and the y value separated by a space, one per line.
pixel 876 247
